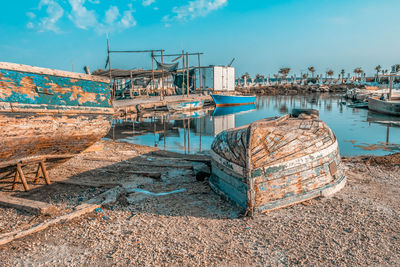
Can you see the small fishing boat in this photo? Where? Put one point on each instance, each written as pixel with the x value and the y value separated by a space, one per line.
pixel 385 106
pixel 363 104
pixel 184 106
pixel 221 100
pixel 276 162
pixel 389 105
pixel 47 116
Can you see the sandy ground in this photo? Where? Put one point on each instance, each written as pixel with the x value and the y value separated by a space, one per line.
pixel 194 226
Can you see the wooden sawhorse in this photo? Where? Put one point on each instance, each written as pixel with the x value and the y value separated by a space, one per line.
pixel 20 174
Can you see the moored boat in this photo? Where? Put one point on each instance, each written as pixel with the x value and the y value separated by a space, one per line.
pixel 186 105
pixel 221 100
pixel 48 115
pixel 390 107
pixel 276 162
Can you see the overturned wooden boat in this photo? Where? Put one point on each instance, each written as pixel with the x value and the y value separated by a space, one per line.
pixel 276 162
pixel 48 116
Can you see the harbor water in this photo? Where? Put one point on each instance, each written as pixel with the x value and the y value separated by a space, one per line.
pixel 359 131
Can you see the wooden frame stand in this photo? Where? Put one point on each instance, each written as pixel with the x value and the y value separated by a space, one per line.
pixel 20 174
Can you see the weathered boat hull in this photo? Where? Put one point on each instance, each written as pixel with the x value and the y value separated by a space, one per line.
pixel 49 115
pixel 385 107
pixel 276 162
pixel 185 106
pixel 232 100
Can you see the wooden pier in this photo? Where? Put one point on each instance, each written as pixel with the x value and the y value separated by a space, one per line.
pixel 153 103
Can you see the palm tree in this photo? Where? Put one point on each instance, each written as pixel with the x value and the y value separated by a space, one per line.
pixel 245 77
pixel 378 69
pixel 284 72
pixel 276 78
pixel 258 78
pixel 330 73
pixel 304 76
pixel 342 72
pixel 312 70
pixel 358 71
pixel 397 67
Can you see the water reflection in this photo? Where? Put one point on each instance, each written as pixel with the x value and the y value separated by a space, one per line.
pixel 358 130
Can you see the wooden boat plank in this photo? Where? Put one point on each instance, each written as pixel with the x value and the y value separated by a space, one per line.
pixel 32 206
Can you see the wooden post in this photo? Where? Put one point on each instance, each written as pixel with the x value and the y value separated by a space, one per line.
pixel 199 72
pixel 390 88
pixel 22 176
pixel 162 75
pixel 36 180
pixel 187 74
pixel 183 73
pixel 109 68
pixel 152 72
pixel 44 171
pixel 131 89
pixel 188 136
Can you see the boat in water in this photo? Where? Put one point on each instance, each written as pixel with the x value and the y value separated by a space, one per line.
pixel 186 106
pixel 276 162
pixel 222 100
pixel 49 115
pixel 385 106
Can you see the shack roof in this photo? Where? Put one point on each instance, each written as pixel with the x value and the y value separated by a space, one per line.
pixel 127 74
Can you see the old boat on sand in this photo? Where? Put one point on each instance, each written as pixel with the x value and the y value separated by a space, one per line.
pixel 276 162
pixel 47 116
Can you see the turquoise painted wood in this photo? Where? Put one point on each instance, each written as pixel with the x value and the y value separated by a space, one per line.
pixel 52 91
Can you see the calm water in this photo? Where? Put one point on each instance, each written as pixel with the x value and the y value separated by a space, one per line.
pixel 359 131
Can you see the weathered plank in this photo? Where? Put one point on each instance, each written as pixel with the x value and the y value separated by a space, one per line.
pixel 46 71
pixel 89 206
pixel 32 206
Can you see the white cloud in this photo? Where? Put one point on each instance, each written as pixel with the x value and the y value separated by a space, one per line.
pixel 54 13
pixel 147 2
pixel 114 22
pixel 112 14
pixel 81 16
pixel 31 15
pixel 196 8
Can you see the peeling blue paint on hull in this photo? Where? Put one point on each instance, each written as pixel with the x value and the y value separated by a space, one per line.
pixel 276 162
pixel 49 114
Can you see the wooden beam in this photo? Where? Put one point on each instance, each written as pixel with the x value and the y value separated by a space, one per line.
pixel 89 206
pixel 32 206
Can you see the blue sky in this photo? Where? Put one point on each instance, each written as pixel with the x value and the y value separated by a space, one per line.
pixel 263 36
